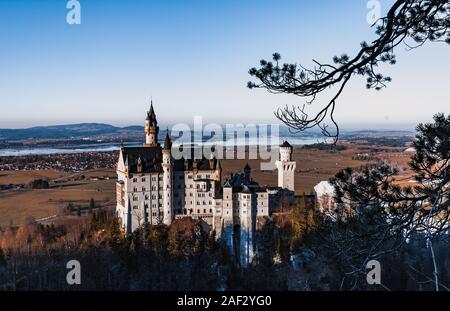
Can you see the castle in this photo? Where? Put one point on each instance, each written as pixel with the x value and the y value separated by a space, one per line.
pixel 153 187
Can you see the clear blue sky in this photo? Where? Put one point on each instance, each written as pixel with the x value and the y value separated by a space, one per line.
pixel 192 56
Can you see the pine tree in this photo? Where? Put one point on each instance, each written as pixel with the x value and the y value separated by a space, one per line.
pixel 303 219
pixel 114 235
pixel 174 242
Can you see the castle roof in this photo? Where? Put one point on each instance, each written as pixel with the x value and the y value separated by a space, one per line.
pixel 245 189
pixel 151 116
pixel 150 159
pixel 167 141
pixel 286 144
pixel 201 164
pixel 241 185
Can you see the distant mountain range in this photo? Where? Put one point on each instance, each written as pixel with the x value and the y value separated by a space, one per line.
pixel 66 131
pixel 95 130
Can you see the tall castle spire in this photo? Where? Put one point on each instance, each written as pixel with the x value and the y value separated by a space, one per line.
pixel 167 141
pixel 151 116
pixel 151 128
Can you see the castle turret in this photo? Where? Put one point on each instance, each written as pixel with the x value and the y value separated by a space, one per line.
pixel 151 128
pixel 167 180
pixel 286 167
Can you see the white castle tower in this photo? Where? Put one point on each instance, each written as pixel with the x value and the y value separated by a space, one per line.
pixel 167 180
pixel 248 225
pixel 286 167
pixel 151 128
pixel 226 224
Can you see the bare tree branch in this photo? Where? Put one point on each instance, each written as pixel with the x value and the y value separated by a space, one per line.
pixel 419 20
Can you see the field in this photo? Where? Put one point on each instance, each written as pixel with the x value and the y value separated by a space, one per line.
pixel 24 177
pixel 313 166
pixel 17 205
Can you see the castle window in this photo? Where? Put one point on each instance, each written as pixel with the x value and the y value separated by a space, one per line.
pixel 189 176
pixel 204 211
pixel 143 189
pixel 198 211
pixel 210 210
pixel 208 176
pixel 135 189
pixel 134 179
pixel 135 207
pixel 143 179
pixel 135 198
pixel 204 203
pixel 209 202
pixel 146 196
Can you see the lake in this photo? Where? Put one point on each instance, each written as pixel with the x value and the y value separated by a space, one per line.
pixel 113 147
